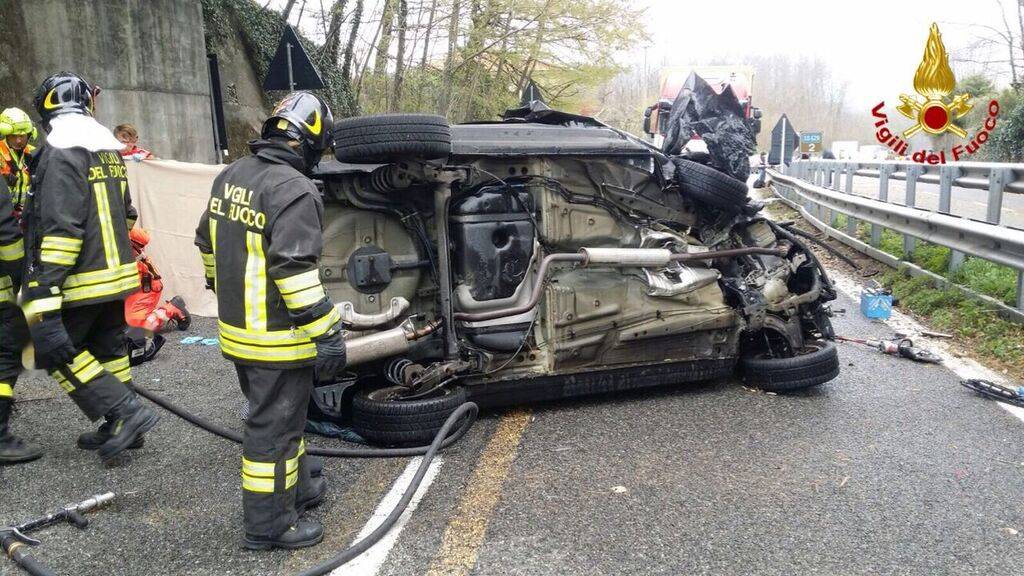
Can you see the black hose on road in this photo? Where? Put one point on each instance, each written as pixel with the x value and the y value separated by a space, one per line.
pixel 467 413
pixel 225 433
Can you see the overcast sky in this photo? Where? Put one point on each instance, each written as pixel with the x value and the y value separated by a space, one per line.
pixel 875 45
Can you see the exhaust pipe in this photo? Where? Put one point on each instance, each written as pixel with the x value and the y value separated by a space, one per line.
pixel 386 343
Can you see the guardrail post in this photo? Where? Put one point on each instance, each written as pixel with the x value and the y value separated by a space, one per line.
pixel 947 174
pixel 883 196
pixel 1020 290
pixel 850 169
pixel 997 179
pixel 913 173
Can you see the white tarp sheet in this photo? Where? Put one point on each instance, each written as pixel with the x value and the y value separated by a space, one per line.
pixel 170 197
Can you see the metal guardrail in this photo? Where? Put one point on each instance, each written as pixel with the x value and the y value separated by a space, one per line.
pixel 814 186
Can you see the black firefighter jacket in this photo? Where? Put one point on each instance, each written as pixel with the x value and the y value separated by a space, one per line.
pixel 12 248
pixel 260 239
pixel 77 222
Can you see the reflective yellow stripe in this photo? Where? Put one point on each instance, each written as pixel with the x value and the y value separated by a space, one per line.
pixel 299 282
pixel 61 243
pixel 213 246
pixel 122 286
pixel 266 485
pixel 6 290
pixel 113 274
pixel 262 338
pixel 321 325
pixel 302 447
pixel 5 390
pixel 210 264
pixel 293 353
pixel 254 468
pixel 120 368
pixel 304 298
pixel 42 305
pixel 85 367
pixel 13 251
pixel 106 224
pixel 57 257
pixel 64 382
pixel 255 283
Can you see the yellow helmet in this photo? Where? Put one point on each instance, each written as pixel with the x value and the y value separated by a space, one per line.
pixel 16 121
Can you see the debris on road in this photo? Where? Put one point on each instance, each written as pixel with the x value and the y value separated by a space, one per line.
pixel 1010 394
pixel 898 346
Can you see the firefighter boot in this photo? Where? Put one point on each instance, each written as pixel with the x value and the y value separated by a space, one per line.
pixel 303 534
pixel 129 419
pixel 313 496
pixel 13 450
pixel 177 311
pixel 93 440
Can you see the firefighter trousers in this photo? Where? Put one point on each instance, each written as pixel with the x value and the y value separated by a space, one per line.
pixel 275 473
pixel 96 378
pixel 13 338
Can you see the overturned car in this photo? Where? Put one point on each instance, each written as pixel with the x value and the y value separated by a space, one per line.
pixel 548 256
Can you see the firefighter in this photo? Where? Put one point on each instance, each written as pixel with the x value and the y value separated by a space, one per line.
pixel 80 265
pixel 17 131
pixel 13 332
pixel 260 240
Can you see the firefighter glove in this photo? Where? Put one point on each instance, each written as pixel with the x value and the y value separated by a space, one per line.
pixel 52 343
pixel 330 355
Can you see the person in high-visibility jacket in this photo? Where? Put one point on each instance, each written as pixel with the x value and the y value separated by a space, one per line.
pixel 16 131
pixel 260 240
pixel 80 264
pixel 144 308
pixel 13 332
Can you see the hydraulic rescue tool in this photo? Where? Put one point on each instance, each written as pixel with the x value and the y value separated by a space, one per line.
pixel 15 539
pixel 902 347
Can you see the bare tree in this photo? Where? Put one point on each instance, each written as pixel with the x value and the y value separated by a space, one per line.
pixel 357 16
pixel 403 20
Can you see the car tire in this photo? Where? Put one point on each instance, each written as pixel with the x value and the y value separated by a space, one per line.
pixel 384 138
pixel 705 185
pixel 382 419
pixel 817 363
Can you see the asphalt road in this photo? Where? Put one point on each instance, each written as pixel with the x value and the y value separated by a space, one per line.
pixel 890 469
pixel 966 202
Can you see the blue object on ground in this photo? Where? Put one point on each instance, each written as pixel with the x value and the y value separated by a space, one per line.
pixel 876 306
pixel 191 339
pixel 210 342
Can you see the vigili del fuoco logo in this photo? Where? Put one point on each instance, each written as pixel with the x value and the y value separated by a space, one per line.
pixel 933 110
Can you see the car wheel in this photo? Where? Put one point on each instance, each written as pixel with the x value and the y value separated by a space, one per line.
pixel 384 138
pixel 816 363
pixel 705 185
pixel 382 417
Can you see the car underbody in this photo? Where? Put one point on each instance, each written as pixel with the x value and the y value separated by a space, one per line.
pixel 552 258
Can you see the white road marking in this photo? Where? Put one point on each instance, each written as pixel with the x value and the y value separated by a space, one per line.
pixel 370 562
pixel 963 367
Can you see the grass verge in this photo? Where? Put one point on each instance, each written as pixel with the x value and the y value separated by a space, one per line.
pixel 973 323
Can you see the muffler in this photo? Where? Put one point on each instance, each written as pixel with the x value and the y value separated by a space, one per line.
pixel 386 343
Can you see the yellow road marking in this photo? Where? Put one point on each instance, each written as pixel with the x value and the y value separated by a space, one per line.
pixel 465 532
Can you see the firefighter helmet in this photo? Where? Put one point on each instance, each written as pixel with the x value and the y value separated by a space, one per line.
pixel 303 117
pixel 16 121
pixel 64 93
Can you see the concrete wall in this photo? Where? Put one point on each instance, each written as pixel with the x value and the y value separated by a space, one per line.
pixel 148 56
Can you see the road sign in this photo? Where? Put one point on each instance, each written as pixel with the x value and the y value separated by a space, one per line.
pixel 291 68
pixel 811 143
pixel 784 142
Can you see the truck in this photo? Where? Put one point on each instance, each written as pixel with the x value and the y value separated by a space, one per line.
pixel 740 78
